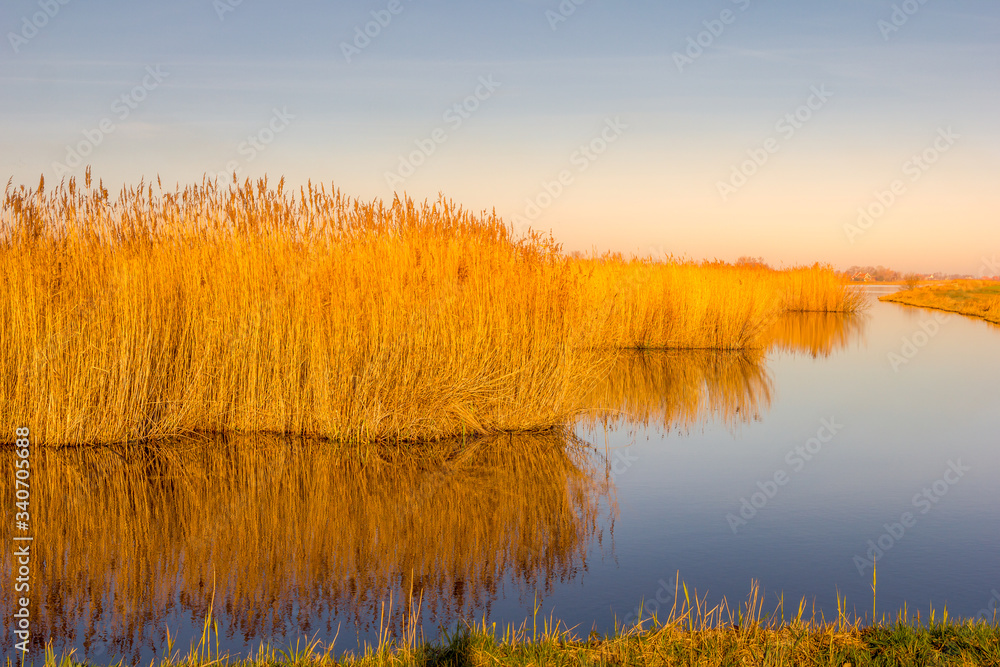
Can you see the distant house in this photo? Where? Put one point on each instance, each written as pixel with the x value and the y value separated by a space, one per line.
pixel 862 277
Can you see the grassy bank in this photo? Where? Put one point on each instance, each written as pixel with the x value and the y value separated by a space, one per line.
pixel 691 635
pixel 975 298
pixel 754 646
pixel 248 309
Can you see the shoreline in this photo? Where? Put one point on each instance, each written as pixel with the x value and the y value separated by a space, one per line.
pixel 979 299
pixel 691 635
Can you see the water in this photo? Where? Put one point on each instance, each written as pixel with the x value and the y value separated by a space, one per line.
pixel 851 439
pixel 898 432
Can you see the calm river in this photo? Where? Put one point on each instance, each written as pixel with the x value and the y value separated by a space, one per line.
pixel 850 440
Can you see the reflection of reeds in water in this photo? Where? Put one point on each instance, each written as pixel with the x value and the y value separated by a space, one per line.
pixel 683 388
pixel 287 536
pixel 818 334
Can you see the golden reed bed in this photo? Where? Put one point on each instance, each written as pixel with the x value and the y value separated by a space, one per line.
pixel 247 309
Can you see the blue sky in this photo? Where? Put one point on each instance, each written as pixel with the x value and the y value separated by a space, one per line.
pixel 607 123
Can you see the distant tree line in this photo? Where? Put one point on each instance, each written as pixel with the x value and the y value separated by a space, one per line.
pixel 884 274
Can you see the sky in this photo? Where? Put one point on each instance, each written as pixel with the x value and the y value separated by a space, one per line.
pixel 850 132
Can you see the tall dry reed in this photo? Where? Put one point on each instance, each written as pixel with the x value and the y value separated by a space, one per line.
pixel 677 305
pixel 818 288
pixel 245 308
